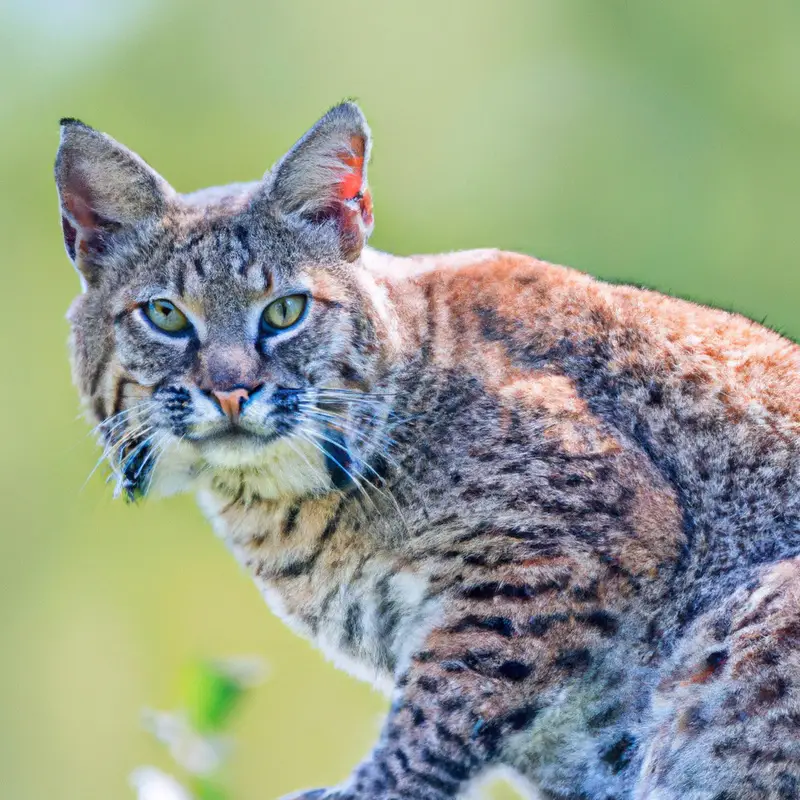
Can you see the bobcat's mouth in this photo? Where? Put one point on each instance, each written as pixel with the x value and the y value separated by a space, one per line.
pixel 238 445
pixel 243 434
pixel 234 436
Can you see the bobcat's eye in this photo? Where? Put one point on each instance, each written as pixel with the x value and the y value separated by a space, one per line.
pixel 166 316
pixel 283 313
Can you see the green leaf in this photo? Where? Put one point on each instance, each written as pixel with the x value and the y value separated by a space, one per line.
pixel 215 690
pixel 206 790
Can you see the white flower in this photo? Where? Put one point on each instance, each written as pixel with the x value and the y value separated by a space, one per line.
pixel 152 784
pixel 198 755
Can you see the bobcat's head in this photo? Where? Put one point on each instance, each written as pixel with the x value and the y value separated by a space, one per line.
pixel 231 331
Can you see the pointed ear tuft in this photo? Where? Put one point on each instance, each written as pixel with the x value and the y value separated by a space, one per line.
pixel 323 178
pixel 72 121
pixel 109 197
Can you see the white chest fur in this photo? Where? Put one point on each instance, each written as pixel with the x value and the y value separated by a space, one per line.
pixel 365 609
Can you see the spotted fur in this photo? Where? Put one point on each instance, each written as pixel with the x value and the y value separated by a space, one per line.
pixel 557 520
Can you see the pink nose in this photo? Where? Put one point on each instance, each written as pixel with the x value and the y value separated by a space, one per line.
pixel 231 402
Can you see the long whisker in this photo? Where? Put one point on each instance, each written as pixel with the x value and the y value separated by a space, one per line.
pixel 376 438
pixel 107 432
pixel 405 420
pixel 361 475
pixel 349 398
pixel 350 392
pixel 149 442
pixel 379 438
pixel 383 491
pixel 338 418
pixel 100 461
pixel 110 423
pixel 154 445
pixel 315 471
pixel 111 450
pixel 371 417
pixel 111 426
pixel 159 449
pixel 114 442
pixel 392 421
pixel 115 448
pixel 307 434
pixel 344 396
pixel 379 441
pixel 374 405
pixel 143 433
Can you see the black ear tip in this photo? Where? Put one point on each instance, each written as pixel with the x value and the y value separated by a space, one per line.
pixel 71 121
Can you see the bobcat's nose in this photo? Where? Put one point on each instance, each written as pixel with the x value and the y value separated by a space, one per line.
pixel 232 401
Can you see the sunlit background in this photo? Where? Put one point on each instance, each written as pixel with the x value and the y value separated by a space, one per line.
pixel 642 140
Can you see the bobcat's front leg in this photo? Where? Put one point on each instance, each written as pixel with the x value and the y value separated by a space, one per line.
pixel 480 677
pixel 433 743
pixel 421 755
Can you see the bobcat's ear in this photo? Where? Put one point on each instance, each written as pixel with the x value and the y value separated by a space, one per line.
pixel 110 198
pixel 323 178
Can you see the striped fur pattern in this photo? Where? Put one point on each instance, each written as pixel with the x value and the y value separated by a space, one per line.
pixel 557 520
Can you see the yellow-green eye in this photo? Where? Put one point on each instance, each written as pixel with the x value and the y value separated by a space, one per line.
pixel 284 313
pixel 166 316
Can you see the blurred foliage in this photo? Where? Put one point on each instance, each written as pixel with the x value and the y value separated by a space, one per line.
pixel 650 141
pixel 197 735
pixel 215 689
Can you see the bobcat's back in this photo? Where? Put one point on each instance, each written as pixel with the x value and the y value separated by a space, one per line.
pixel 710 398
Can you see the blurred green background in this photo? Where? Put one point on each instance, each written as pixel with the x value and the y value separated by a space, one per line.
pixel 643 140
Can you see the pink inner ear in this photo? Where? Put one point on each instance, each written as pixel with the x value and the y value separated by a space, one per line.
pixel 87 220
pixel 77 200
pixel 349 186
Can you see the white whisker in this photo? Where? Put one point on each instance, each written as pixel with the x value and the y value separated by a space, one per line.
pixel 306 434
pixel 111 423
pixel 360 474
pixel 315 471
pixel 110 427
pixel 159 449
pixel 385 492
pixel 381 443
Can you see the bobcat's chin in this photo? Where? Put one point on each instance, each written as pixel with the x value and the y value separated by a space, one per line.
pixel 242 463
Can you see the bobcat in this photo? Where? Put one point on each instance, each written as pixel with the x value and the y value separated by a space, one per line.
pixel 558 520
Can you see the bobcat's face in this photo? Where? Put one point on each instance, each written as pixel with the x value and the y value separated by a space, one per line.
pixel 227 331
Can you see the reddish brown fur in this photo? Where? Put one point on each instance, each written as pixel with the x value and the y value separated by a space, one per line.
pixel 558 520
